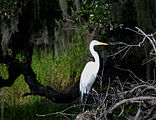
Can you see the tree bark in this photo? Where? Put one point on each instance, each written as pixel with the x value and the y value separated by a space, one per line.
pixel 15 68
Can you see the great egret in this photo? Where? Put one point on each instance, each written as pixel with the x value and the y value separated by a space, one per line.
pixel 90 71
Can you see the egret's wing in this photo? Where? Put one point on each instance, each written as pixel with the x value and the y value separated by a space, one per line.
pixel 87 77
pixel 89 84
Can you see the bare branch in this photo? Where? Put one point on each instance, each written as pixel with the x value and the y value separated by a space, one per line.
pixel 153 117
pixel 149 61
pixel 144 85
pixel 148 37
pixel 65 110
pixel 127 47
pixel 113 55
pixel 131 73
pixel 149 113
pixel 134 31
pixel 130 100
pixel 138 113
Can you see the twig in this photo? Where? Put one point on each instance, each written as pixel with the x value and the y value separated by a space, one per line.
pixel 149 113
pixel 137 87
pixel 132 73
pixel 63 111
pixel 138 113
pixel 153 38
pixel 117 52
pixel 103 105
pixel 153 117
pixel 149 61
pixel 154 75
pixel 128 46
pixel 124 47
pixel 126 52
pixel 134 31
pixel 122 110
pixel 102 77
pixel 130 100
pixel 108 87
pixel 148 37
pixel 149 87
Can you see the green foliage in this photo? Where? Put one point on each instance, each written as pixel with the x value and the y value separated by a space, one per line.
pixel 59 71
pixel 8 8
pixel 3 71
pixel 96 12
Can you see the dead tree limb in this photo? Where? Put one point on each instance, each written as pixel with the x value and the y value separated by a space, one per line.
pixel 131 100
pixel 126 47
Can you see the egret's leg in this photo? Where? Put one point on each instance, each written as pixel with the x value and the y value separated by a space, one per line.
pixel 82 97
pixel 85 98
pixel 85 101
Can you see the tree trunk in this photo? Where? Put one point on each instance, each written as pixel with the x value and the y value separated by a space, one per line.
pixel 36 21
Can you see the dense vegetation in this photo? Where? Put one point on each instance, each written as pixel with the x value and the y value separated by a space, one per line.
pixel 8 9
pixel 44 47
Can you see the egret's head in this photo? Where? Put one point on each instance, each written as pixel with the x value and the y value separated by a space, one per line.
pixel 95 42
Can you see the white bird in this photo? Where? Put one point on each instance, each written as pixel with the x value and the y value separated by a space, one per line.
pixel 90 71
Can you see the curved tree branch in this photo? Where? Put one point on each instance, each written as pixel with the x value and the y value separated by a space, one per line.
pixel 15 68
pixel 36 88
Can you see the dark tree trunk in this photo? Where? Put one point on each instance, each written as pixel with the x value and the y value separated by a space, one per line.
pixel 15 68
pixel 34 17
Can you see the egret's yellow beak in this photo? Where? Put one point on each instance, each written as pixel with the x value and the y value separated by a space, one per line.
pixel 101 43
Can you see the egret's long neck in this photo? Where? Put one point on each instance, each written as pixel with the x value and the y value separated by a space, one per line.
pixel 95 55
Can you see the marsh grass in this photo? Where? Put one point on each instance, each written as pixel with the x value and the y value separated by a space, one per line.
pixel 58 72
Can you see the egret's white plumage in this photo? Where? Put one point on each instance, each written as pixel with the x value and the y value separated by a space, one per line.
pixel 90 71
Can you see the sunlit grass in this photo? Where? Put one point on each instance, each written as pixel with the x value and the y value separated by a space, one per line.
pixel 59 71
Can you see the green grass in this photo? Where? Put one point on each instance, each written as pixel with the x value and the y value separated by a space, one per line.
pixel 58 72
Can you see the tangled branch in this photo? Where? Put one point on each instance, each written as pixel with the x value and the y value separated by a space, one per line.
pixel 131 100
pixel 125 94
pixel 126 47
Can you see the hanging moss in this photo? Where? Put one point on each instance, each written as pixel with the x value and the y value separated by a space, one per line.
pixel 34 18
